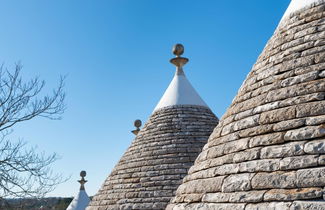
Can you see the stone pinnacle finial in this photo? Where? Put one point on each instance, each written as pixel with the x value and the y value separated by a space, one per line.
pixel 82 181
pixel 137 124
pixel 178 50
pixel 179 61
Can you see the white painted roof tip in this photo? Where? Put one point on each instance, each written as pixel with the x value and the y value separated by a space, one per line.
pixel 180 92
pixel 297 5
pixel 80 202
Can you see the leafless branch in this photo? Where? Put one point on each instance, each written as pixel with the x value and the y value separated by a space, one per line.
pixel 23 171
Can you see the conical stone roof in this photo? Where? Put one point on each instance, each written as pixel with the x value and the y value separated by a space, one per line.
pixel 268 151
pixel 152 168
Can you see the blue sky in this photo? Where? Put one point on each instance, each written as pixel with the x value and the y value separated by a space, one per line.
pixel 116 54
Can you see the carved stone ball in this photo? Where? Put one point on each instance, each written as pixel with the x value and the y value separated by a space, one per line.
pixel 83 173
pixel 178 49
pixel 137 123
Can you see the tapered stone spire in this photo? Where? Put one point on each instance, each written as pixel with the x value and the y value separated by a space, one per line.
pixel 152 168
pixel 268 151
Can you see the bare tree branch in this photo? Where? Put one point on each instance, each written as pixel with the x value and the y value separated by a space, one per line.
pixel 23 171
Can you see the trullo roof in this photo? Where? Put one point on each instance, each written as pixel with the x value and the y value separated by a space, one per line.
pixel 152 168
pixel 268 151
pixel 81 201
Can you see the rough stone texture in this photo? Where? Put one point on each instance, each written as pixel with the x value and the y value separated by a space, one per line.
pixel 293 194
pixel 269 206
pixel 237 182
pixel 298 162
pixel 310 205
pixel 308 132
pixel 210 206
pixel 250 196
pixel 315 147
pixel 148 174
pixel 269 147
pixel 276 179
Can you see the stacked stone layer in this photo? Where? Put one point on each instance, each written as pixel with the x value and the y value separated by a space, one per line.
pixel 268 151
pixel 152 168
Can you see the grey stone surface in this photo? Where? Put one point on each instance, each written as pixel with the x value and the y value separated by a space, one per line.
pixel 284 150
pixel 310 205
pixel 236 197
pixel 277 179
pixel 243 197
pixel 268 139
pixel 271 141
pixel 322 74
pixel 286 125
pixel 208 206
pixel 148 174
pixel 315 147
pixel 293 194
pixel 201 186
pixel 311 177
pixel 249 154
pixel 278 115
pixel 299 162
pixel 305 133
pixel 260 165
pixel 216 197
pixel 269 206
pixel 315 120
pixel 237 182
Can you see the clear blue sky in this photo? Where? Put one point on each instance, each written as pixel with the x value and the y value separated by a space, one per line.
pixel 116 56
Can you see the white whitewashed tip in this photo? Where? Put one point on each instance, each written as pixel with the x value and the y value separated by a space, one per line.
pixel 180 92
pixel 80 202
pixel 296 5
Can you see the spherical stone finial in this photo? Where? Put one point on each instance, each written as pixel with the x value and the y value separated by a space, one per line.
pixel 178 50
pixel 137 123
pixel 83 174
pixel 179 61
pixel 82 181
